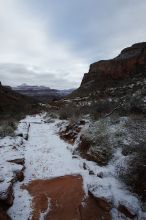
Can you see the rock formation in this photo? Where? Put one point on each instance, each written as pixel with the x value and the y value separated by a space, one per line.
pixel 128 65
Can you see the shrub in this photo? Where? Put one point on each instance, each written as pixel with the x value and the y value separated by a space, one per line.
pixel 7 128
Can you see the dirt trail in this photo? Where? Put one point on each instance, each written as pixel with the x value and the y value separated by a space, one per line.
pixel 67 200
pixel 53 180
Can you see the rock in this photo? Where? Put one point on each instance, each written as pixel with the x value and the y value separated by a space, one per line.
pixel 71 203
pixel 6 197
pixel 14 147
pixel 102 203
pixel 70 133
pixel 6 200
pixel 123 209
pixel 91 172
pixel 104 76
pixel 130 61
pixel 20 135
pixel 25 137
pixel 100 175
pixel 74 157
pixel 20 161
pixel 85 166
pixel 20 176
pixel 82 122
pixel 4 215
pixel 1 179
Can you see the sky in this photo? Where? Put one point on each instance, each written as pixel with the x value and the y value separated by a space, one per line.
pixel 53 42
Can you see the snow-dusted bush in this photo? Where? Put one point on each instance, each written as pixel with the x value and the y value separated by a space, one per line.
pixel 7 128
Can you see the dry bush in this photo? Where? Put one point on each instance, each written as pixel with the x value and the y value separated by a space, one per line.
pixel 72 112
pixel 8 127
pixel 135 177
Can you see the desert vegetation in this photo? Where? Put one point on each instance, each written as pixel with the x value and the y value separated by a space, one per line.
pixel 108 129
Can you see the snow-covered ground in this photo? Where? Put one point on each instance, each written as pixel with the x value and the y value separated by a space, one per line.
pixel 10 149
pixel 47 156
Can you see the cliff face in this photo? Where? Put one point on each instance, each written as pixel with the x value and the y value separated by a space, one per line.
pixel 131 60
pixel 130 63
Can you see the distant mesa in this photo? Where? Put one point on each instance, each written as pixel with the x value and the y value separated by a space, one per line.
pixel 24 86
pixel 42 93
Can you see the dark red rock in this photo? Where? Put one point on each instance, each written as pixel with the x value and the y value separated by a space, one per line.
pixel 130 61
pixel 4 215
pixel 109 73
pixel 70 133
pixel 102 203
pixel 123 209
pixel 20 176
pixel 84 144
pixel 20 161
pixel 7 200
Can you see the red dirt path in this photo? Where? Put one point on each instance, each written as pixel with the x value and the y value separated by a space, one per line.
pixel 67 199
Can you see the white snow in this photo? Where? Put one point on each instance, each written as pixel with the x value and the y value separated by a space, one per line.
pixel 10 149
pixel 43 214
pixel 21 209
pixel 47 156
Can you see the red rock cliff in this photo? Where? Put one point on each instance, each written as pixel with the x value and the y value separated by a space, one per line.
pixel 131 60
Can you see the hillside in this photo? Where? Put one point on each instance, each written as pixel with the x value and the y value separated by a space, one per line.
pixel 13 107
pixel 13 103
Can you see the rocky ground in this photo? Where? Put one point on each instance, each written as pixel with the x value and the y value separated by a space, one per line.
pixel 44 177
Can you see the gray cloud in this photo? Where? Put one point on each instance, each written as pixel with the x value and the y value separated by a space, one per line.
pixel 15 73
pixel 52 42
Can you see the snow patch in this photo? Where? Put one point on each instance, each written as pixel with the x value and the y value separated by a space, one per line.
pixel 43 214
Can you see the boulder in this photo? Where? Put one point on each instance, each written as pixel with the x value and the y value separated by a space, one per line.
pixel 20 176
pixel 123 209
pixel 6 196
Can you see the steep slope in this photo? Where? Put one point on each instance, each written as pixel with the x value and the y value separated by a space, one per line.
pixel 128 68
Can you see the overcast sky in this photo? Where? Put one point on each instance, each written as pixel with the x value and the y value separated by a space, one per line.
pixel 53 42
